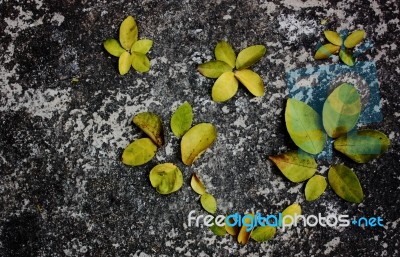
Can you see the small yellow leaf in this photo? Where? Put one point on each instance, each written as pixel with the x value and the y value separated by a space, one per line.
pixel 181 120
pixel 315 187
pixel 209 203
pixel 197 185
pixel 124 63
pixel 213 69
pixel 166 178
pixel 291 211
pixel 151 124
pixel 224 52
pixel 139 152
pixel 225 87
pixel 251 80
pixel 232 230
pixel 244 234
pixel 113 47
pixel 140 62
pixel 128 32
pixel 346 57
pixel 142 46
pixel 325 51
pixel 354 38
pixel 333 37
pixel 250 56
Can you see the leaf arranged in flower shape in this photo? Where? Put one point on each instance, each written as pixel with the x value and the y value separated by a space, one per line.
pixel 130 50
pixel 223 69
pixel 337 45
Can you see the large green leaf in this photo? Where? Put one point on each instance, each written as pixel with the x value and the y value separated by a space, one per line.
pixel 363 146
pixel 315 187
pixel 128 32
pixel 166 178
pixel 304 126
pixel 151 124
pixel 113 47
pixel 196 141
pixel 251 80
pixel 139 152
pixel 345 183
pixel 213 69
pixel 181 120
pixel 225 87
pixel 341 110
pixel 224 52
pixel 354 38
pixel 249 56
pixel 296 166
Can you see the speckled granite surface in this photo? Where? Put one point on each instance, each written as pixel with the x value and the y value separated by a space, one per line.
pixel 63 189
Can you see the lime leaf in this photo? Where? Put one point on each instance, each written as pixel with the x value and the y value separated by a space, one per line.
pixel 333 37
pixel 250 56
pixel 315 187
pixel 128 32
pixel 139 152
pixel 341 110
pixel 181 120
pixel 304 126
pixel 213 69
pixel 232 230
pixel 140 62
pixel 197 185
pixel 225 87
pixel 217 230
pixel 244 235
pixel 345 183
pixel 346 58
pixel 196 141
pixel 124 63
pixel 209 203
pixel 296 166
pixel 363 146
pixel 251 80
pixel 224 52
pixel 354 38
pixel 262 234
pixel 166 178
pixel 113 47
pixel 291 210
pixel 151 124
pixel 142 46
pixel 325 51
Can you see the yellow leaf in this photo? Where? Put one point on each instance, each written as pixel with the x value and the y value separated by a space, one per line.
pixel 251 80
pixel 197 185
pixel 151 124
pixel 250 56
pixel 166 178
pixel 209 203
pixel 213 69
pixel 244 233
pixel 346 57
pixel 354 38
pixel 333 37
pixel 325 51
pixel 140 62
pixel 139 152
pixel 113 47
pixel 224 52
pixel 128 32
pixel 142 46
pixel 124 63
pixel 225 87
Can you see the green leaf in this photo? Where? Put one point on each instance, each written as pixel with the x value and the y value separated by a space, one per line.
pixel 251 80
pixel 224 52
pixel 225 87
pixel 139 152
pixel 304 126
pixel 325 51
pixel 333 37
pixel 218 231
pixel 196 141
pixel 345 183
pixel 341 110
pixel 262 234
pixel 346 58
pixel 213 69
pixel 354 38
pixel 291 210
pixel 363 146
pixel 166 178
pixel 197 185
pixel 315 187
pixel 124 63
pixel 113 47
pixel 142 46
pixel 151 124
pixel 181 120
pixel 140 62
pixel 250 56
pixel 295 166
pixel 209 203
pixel 128 32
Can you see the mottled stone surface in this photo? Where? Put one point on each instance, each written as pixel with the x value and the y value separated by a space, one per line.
pixel 63 189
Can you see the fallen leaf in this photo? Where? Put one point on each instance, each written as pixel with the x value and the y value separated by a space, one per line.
pixel 345 183
pixel 346 58
pixel 232 230
pixel 224 52
pixel 142 46
pixel 225 87
pixel 325 51
pixel 113 47
pixel 251 80
pixel 244 235
pixel 315 187
pixel 209 203
pixel 213 69
pixel 124 63
pixel 217 230
pixel 291 210
pixel 354 38
pixel 166 178
pixel 197 185
pixel 333 37
pixel 139 152
pixel 249 56
pixel 128 32
pixel 151 124
pixel 181 120
pixel 140 62
pixel 262 234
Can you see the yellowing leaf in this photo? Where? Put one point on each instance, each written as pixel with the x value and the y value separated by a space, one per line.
pixel 295 166
pixel 217 230
pixel 262 234
pixel 292 211
pixel 315 187
pixel 363 146
pixel 345 183
pixel 249 56
pixel 140 62
pixel 354 38
pixel 166 178
pixel 225 87
pixel 128 32
pixel 213 69
pixel 197 185
pixel 244 234
pixel 142 46
pixel 341 110
pixel 251 80
pixel 151 124
pixel 224 52
pixel 232 230
pixel 113 47
pixel 124 63
pixel 139 152
pixel 209 203
pixel 333 37
pixel 346 57
pixel 304 126
pixel 325 51
pixel 196 141
pixel 181 120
